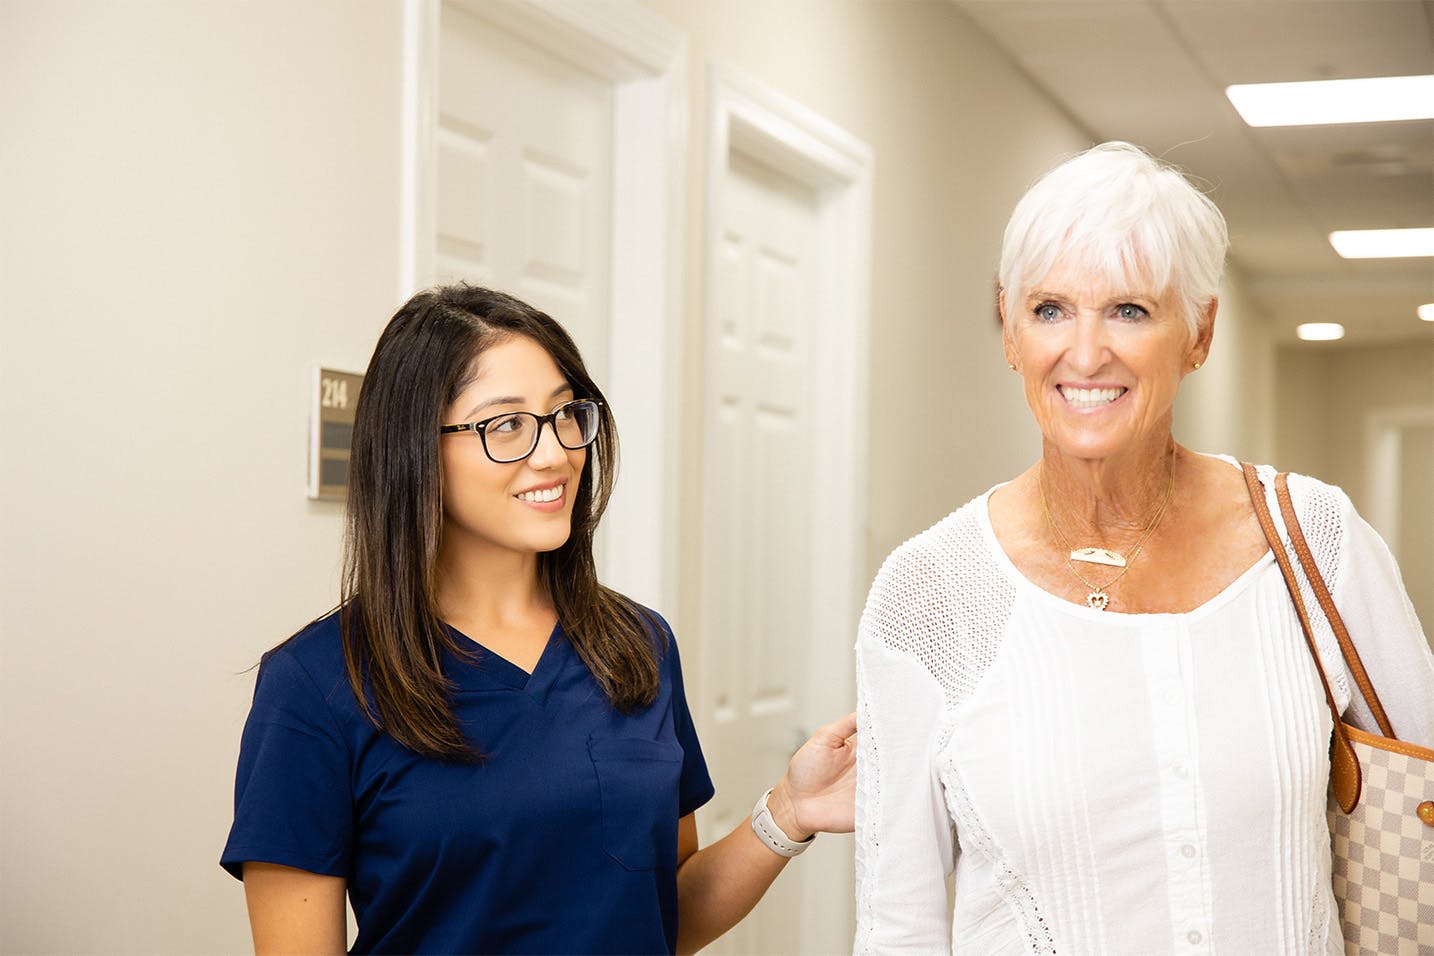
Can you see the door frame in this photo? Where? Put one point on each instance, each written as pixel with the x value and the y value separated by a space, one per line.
pixel 645 59
pixel 747 117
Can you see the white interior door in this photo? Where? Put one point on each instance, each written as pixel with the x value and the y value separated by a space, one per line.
pixel 757 531
pixel 524 176
pixel 783 473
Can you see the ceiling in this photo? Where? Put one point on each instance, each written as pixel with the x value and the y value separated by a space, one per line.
pixel 1153 72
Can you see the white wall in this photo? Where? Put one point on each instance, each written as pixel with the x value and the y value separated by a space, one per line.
pixel 198 202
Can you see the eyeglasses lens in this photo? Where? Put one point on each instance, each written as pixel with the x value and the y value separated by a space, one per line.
pixel 512 437
pixel 576 424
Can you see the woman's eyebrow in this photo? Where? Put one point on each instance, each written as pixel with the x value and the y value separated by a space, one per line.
pixel 490 402
pixel 1121 296
pixel 514 399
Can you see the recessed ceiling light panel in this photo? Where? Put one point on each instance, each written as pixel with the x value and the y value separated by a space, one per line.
pixel 1376 99
pixel 1426 312
pixel 1382 243
pixel 1320 331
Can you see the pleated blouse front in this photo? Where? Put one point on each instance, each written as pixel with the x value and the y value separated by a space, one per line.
pixel 1142 780
pixel 1098 782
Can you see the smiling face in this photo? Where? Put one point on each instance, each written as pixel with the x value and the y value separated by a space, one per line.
pixel 523 506
pixel 1101 363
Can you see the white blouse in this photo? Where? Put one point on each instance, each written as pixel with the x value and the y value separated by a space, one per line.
pixel 1112 783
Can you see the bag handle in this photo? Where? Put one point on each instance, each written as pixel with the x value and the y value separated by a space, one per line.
pixel 1326 603
pixel 1344 774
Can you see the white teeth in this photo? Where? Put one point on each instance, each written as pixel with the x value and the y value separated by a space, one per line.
pixel 543 494
pixel 1090 397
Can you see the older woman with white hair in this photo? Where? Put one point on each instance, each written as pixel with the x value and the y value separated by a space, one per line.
pixel 1086 692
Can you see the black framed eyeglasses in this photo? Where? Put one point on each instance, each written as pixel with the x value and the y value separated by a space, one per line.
pixel 513 436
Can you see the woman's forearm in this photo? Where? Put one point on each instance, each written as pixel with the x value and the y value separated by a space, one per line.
pixel 719 884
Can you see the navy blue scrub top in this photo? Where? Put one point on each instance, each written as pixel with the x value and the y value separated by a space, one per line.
pixel 563 841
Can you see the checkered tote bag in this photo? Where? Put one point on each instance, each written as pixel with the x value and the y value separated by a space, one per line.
pixel 1381 804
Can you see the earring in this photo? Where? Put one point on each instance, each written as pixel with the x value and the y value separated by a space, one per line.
pixel 1010 366
pixel 1196 368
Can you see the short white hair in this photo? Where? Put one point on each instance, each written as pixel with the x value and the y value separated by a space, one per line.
pixel 1117 212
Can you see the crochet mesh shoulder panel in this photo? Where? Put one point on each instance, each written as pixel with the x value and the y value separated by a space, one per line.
pixel 1321 509
pixel 942 598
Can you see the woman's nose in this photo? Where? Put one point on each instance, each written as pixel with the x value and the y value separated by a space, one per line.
pixel 1088 351
pixel 549 452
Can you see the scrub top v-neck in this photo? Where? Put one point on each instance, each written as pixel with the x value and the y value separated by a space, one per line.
pixel 563 839
pixel 497 668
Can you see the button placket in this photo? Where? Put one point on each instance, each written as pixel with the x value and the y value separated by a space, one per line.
pixel 1167 671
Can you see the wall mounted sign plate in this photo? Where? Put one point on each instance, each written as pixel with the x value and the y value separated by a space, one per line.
pixel 331 427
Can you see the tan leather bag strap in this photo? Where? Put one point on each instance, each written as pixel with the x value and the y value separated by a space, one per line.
pixel 1326 603
pixel 1344 775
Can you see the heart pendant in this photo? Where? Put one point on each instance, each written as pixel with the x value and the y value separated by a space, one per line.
pixel 1097 599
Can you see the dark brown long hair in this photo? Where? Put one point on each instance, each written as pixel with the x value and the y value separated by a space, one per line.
pixel 394 640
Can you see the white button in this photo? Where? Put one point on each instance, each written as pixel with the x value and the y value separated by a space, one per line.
pixel 1188 851
pixel 1182 771
pixel 1194 937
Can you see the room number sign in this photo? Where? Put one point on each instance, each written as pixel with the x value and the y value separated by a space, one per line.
pixel 331 426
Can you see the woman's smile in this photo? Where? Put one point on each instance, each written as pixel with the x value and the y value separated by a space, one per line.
pixel 1084 398
pixel 548 497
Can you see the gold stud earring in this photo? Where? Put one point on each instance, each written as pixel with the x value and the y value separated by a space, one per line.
pixel 1196 368
pixel 1010 366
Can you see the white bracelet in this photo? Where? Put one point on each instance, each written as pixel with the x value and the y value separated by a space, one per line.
pixel 772 835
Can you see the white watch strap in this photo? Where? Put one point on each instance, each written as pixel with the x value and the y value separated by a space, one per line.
pixel 769 833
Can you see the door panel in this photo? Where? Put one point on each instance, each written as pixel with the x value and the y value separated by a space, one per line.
pixel 524 184
pixel 757 523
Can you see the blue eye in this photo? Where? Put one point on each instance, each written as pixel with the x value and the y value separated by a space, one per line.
pixel 1048 312
pixel 1128 310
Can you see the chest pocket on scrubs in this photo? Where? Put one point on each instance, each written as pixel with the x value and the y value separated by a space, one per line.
pixel 638 781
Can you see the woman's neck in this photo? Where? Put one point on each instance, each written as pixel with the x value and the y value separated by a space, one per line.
pixel 488 586
pixel 1104 502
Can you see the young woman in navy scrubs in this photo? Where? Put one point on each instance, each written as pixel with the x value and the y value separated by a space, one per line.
pixel 483 748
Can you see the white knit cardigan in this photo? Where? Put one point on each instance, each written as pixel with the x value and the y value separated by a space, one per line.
pixel 1102 782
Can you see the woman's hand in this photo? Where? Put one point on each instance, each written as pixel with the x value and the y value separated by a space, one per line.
pixel 818 792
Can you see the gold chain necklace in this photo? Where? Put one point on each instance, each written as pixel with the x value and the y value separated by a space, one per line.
pixel 1098 598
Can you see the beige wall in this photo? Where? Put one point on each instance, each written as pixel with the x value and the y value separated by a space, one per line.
pixel 1325 399
pixel 1227 406
pixel 198 203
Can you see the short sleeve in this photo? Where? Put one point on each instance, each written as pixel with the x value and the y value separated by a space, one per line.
pixel 293 801
pixel 696 786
